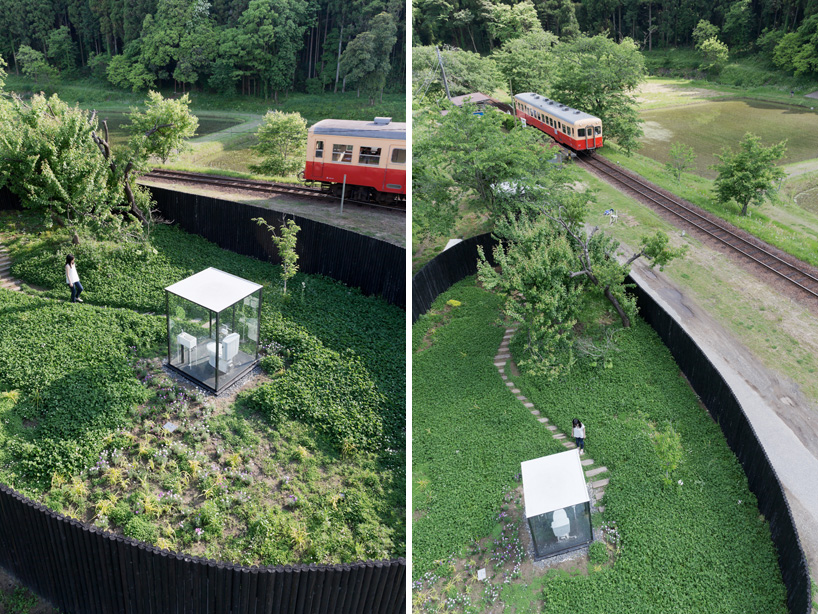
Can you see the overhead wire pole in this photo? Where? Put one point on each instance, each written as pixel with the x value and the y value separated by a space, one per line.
pixel 443 70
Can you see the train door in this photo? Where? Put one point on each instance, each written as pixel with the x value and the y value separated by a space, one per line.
pixel 589 137
pixel 318 159
pixel 395 175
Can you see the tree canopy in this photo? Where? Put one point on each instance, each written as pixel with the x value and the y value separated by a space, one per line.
pixel 257 47
pixel 748 176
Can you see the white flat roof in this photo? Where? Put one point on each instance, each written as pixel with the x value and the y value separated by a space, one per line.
pixel 213 289
pixel 553 482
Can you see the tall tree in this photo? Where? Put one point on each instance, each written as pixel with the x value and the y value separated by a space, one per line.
pixel 749 175
pixel 528 62
pixel 365 60
pixel 600 77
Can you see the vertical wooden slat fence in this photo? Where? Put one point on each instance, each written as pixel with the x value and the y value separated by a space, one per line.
pixel 83 570
pixel 359 261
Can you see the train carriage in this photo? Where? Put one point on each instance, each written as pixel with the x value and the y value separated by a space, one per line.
pixel 571 127
pixel 369 157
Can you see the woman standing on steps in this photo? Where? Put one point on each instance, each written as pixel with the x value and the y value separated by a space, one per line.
pixel 72 278
pixel 579 435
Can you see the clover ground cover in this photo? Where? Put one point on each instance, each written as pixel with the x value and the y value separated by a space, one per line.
pixel 308 466
pixel 694 545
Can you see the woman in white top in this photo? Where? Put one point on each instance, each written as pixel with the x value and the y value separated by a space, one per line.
pixel 72 278
pixel 579 435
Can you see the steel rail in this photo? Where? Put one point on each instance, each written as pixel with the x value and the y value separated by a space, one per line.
pixel 695 218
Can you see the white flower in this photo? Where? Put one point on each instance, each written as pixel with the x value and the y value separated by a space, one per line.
pixel 680 483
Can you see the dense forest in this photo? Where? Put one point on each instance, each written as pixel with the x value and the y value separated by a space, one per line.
pixel 783 31
pixel 256 47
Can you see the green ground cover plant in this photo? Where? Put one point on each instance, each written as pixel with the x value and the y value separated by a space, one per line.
pixel 308 466
pixel 695 543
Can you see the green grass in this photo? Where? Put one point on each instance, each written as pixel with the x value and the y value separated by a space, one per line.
pixel 295 473
pixel 689 547
pixel 783 224
pixel 99 95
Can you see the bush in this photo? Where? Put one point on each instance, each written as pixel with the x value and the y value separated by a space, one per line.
pixel 142 529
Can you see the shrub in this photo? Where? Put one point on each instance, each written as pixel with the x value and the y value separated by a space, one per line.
pixel 142 529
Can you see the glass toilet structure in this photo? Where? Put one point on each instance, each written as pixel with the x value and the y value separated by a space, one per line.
pixel 557 504
pixel 213 327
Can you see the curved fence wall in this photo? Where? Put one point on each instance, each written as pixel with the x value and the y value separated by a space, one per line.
pixel 83 570
pixel 356 260
pixel 445 270
pixel 452 266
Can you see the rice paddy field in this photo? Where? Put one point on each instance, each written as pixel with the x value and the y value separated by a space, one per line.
pixel 711 125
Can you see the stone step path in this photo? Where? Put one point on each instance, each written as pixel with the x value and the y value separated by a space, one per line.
pixel 503 359
pixel 6 280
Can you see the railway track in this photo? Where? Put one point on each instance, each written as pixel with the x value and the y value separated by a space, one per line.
pixel 265 187
pixel 753 249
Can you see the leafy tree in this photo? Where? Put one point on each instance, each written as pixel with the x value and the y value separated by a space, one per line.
pixel 285 244
pixel 538 291
pixel 34 65
pixel 158 131
pixel 48 159
pixel 468 156
pixel 127 69
pixel 559 16
pixel 527 61
pixel 62 50
pixel 797 52
pixel 703 31
pixel 365 60
pixel 715 54
pixel 282 143
pixel 508 22
pixel 466 72
pixel 681 158
pixel 748 176
pixel 599 76
pixel 738 23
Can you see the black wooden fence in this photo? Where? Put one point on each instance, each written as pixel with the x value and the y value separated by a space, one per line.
pixel 83 570
pixel 375 266
pixel 446 269
pixel 459 261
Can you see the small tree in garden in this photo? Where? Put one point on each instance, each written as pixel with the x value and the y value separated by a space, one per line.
pixel 282 143
pixel 286 246
pixel 668 445
pixel 749 175
pixel 681 159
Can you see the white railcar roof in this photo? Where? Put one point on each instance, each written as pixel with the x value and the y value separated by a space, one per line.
pixel 554 108
pixel 372 130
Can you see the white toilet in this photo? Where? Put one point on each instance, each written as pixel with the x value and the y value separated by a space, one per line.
pixel 560 524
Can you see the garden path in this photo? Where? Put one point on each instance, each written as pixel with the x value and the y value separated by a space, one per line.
pixel 503 361
pixel 6 280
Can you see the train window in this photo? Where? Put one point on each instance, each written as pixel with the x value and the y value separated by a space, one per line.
pixel 580 131
pixel 342 153
pixel 370 155
pixel 319 149
pixel 399 156
pixel 598 129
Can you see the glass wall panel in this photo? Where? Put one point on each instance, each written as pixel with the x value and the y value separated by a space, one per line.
pixel 190 329
pixel 561 530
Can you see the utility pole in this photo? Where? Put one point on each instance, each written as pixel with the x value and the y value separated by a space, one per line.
pixel 443 70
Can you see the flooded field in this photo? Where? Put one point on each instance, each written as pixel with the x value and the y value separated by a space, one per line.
pixel 707 127
pixel 207 125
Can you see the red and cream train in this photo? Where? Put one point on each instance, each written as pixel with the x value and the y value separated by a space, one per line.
pixel 368 157
pixel 570 127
